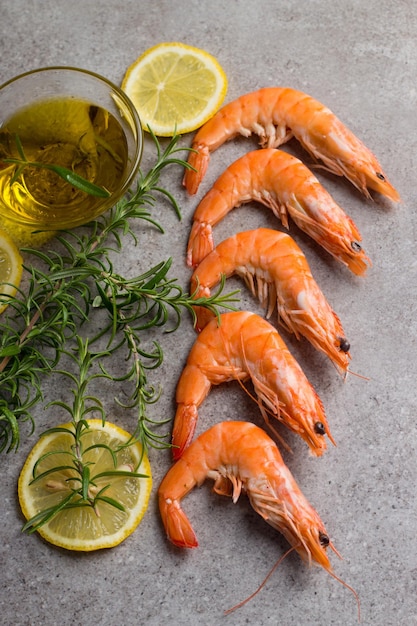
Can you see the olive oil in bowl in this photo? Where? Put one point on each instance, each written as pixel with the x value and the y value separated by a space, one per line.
pixel 70 146
pixel 83 138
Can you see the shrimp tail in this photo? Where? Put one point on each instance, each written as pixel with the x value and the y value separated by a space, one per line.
pixel 192 388
pixel 184 428
pixel 203 317
pixel 177 525
pixel 200 243
pixel 198 163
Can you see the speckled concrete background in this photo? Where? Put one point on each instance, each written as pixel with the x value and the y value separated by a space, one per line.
pixel 359 58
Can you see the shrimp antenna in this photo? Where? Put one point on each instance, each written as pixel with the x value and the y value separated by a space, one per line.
pixel 275 566
pixel 263 583
pixel 352 373
pixel 345 584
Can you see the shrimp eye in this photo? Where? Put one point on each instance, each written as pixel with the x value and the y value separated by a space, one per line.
pixel 319 428
pixel 344 344
pixel 324 540
pixel 356 247
pixel 380 176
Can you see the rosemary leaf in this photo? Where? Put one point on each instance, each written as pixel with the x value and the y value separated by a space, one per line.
pixel 46 515
pixel 76 180
pixel 123 473
pixel 110 501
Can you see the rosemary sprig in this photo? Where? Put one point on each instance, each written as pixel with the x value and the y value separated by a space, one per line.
pixel 66 174
pixel 81 485
pixel 70 285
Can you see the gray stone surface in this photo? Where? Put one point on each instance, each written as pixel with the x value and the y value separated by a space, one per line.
pixel 359 58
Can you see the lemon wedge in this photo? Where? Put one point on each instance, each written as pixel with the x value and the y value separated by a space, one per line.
pixel 85 528
pixel 175 88
pixel 11 265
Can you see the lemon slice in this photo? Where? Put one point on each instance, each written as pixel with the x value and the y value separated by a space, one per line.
pixel 11 264
pixel 85 528
pixel 175 88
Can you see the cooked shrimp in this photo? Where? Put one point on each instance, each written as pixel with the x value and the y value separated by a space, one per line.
pixel 285 185
pixel 241 456
pixel 277 272
pixel 245 346
pixel 276 114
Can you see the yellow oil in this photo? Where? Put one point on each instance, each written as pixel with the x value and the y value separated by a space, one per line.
pixel 67 132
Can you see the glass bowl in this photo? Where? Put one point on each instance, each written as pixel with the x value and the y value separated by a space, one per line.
pixel 70 147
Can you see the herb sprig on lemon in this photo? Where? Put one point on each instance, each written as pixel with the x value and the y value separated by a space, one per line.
pixel 86 484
